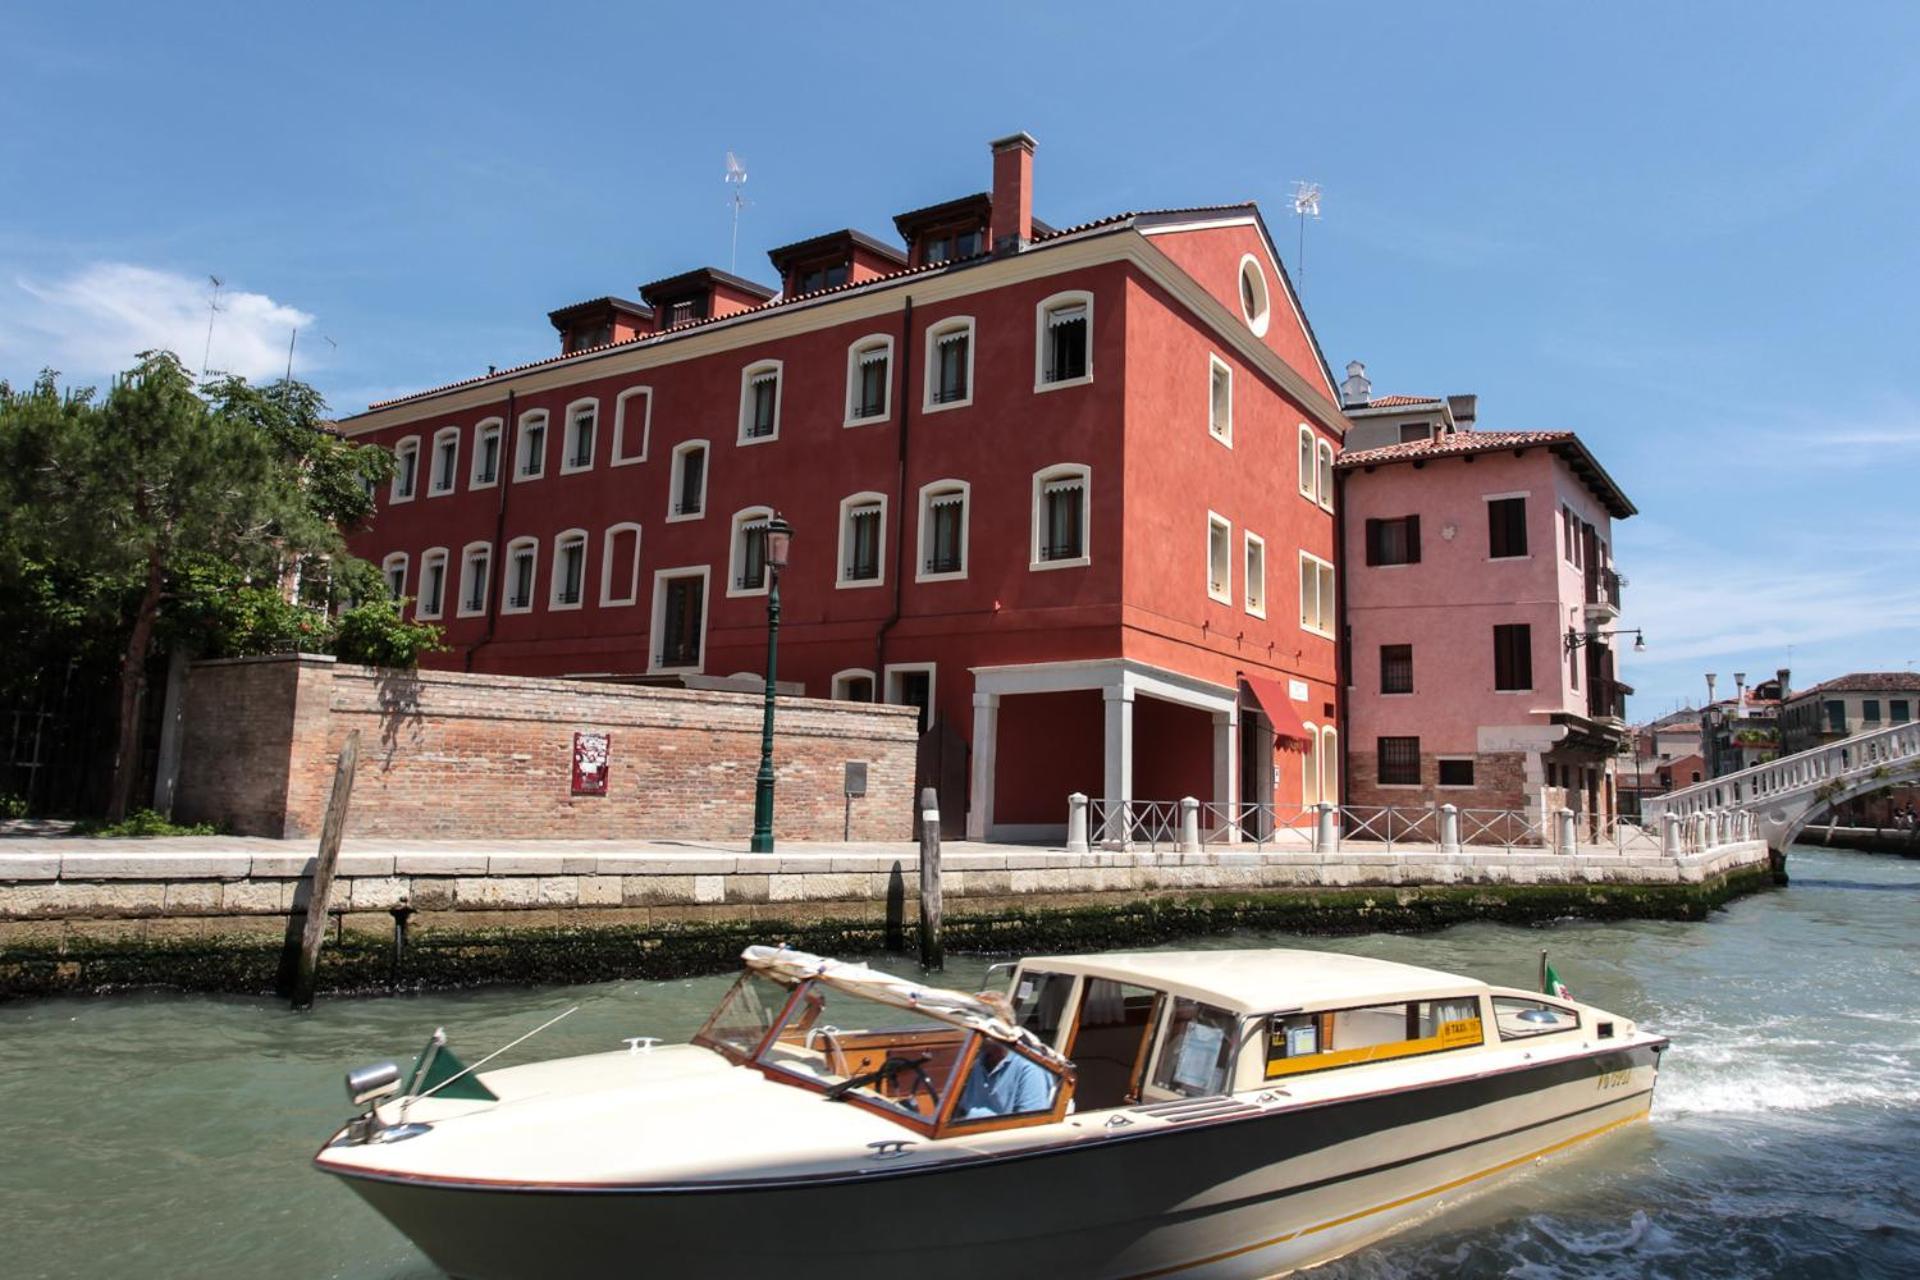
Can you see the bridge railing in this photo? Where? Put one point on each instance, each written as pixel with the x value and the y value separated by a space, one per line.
pixel 1829 767
pixel 1191 826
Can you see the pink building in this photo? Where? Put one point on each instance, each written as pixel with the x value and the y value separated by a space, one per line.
pixel 1478 584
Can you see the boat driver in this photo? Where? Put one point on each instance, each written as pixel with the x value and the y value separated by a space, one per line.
pixel 1004 1083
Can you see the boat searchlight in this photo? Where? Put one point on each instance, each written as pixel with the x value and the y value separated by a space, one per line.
pixel 368 1083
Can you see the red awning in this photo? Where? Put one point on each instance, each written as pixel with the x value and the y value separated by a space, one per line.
pixel 1278 708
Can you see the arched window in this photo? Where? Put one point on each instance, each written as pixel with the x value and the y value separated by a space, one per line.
pixel 620 565
pixel 476 564
pixel 569 588
pixel 1062 505
pixel 863 540
pixel 433 584
pixel 687 485
pixel 632 425
pixel 530 462
pixel 760 402
pixel 523 572
pixel 446 461
pixel 1329 764
pixel 1310 766
pixel 486 455
pixel 1063 341
pixel 853 685
pixel 1323 473
pixel 406 470
pixel 393 570
pixel 747 560
pixel 583 426
pixel 869 380
pixel 944 521
pixel 949 364
pixel 1308 467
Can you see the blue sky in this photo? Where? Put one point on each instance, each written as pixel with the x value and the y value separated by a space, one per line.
pixel 1686 231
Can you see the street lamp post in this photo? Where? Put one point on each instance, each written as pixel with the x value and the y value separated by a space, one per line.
pixel 779 537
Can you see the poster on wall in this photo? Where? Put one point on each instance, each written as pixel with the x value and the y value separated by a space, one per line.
pixel 590 763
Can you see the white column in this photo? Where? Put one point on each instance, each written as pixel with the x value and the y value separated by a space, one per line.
pixel 1226 768
pixel 1119 763
pixel 986 734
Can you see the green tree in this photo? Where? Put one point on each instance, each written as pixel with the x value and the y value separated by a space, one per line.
pixel 189 511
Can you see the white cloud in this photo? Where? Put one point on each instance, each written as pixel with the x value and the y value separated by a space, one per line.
pixel 92 323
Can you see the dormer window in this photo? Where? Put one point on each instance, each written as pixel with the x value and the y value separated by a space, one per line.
pixel 825 275
pixel 952 246
pixel 680 312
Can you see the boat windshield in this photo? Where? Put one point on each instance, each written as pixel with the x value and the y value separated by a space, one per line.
pixel 846 1043
pixel 744 1017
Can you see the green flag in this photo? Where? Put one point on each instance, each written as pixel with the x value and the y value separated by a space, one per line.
pixel 445 1066
pixel 1551 985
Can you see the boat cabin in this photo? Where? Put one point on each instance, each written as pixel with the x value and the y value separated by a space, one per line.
pixel 1095 1033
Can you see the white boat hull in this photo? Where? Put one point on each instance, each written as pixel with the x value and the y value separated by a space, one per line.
pixel 1233 1188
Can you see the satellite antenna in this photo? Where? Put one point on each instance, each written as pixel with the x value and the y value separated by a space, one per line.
pixel 736 181
pixel 213 309
pixel 1306 204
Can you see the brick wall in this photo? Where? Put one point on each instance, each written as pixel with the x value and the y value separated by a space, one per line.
pixel 450 755
pixel 1499 782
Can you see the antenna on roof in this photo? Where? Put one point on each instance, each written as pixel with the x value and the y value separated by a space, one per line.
pixel 1306 204
pixel 736 181
pixel 213 309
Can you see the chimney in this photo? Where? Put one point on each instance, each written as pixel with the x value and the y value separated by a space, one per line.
pixel 1464 410
pixel 1356 391
pixel 1710 679
pixel 1785 690
pixel 1740 688
pixel 1012 225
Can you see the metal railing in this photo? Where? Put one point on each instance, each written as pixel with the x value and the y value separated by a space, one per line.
pixel 1191 826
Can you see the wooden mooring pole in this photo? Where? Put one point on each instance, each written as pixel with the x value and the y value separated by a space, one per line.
pixel 306 964
pixel 932 955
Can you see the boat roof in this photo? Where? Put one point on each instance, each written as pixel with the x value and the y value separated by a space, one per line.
pixel 1263 981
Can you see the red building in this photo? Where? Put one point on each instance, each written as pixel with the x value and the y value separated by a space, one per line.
pixel 1063 489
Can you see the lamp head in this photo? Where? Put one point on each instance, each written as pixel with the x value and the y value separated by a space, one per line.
pixel 779 541
pixel 1639 643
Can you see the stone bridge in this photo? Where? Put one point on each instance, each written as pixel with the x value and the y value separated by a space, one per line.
pixel 1783 796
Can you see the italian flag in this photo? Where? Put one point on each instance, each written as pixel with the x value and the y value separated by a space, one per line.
pixel 1550 983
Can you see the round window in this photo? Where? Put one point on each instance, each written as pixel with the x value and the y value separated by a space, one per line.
pixel 1253 295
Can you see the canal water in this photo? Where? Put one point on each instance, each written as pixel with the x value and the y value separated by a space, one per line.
pixel 169 1136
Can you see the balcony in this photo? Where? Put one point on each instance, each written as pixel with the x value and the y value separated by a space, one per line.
pixel 1607 699
pixel 1603 594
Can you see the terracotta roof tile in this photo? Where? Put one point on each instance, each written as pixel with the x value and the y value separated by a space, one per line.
pixel 1395 402
pixel 1460 442
pixel 1863 682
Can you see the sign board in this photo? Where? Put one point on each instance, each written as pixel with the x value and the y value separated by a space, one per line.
pixel 590 752
pixel 856 777
pixel 1298 691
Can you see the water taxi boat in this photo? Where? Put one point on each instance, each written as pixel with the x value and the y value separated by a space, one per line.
pixel 1209 1113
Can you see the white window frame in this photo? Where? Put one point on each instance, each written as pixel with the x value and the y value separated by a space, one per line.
pixel 531 545
pixel 1221 431
pixel 889 686
pixel 674 496
pixel 860 347
pixel 1318 571
pixel 747 375
pixel 621 416
pixel 608 600
pixel 1037 538
pixel 434 487
pixel 422 607
pixel 736 552
pixel 1041 310
pixel 837 688
pixel 1525 495
pixel 924 544
pixel 393 560
pixel 867 498
pixel 658 613
pixel 930 381
pixel 1222 527
pixel 500 460
pixel 1258 323
pixel 569 433
pixel 468 553
pixel 1329 764
pixel 407 445
pixel 560 542
pixel 1310 776
pixel 1309 459
pixel 520 454
pixel 1253 586
pixel 1323 473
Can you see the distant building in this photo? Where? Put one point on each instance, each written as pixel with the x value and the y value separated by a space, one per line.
pixel 1846 705
pixel 1659 756
pixel 1479 580
pixel 1742 731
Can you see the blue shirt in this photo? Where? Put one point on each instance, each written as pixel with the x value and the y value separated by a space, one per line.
pixel 1013 1086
